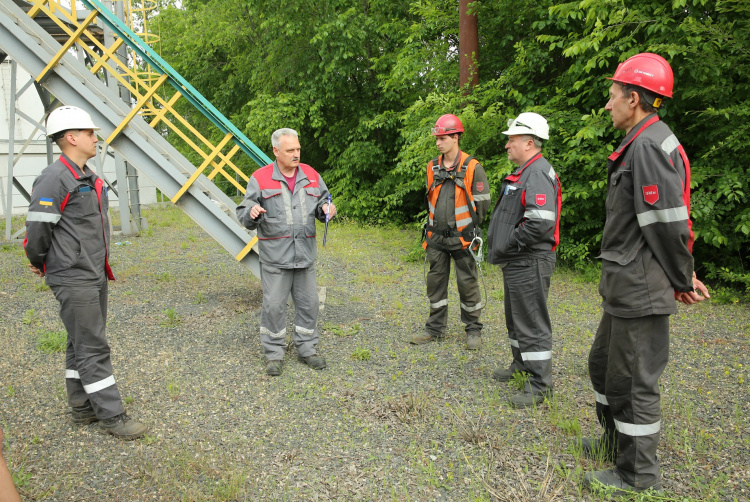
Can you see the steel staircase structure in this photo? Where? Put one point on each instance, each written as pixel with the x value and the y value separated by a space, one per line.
pixel 137 132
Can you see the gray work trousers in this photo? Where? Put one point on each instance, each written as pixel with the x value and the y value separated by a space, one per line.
pixel 277 284
pixel 88 367
pixel 526 286
pixel 437 290
pixel 626 360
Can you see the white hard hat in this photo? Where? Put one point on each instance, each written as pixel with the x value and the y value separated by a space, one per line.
pixel 528 123
pixel 68 117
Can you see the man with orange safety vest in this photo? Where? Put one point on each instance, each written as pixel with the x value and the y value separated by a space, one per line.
pixel 67 241
pixel 458 197
pixel 282 202
pixel 647 264
pixel 523 235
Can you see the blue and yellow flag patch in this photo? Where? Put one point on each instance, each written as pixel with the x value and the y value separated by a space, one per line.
pixel 45 201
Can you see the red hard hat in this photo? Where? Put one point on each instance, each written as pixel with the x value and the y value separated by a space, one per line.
pixel 647 70
pixel 447 124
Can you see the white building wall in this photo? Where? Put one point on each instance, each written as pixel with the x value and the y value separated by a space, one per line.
pixel 34 158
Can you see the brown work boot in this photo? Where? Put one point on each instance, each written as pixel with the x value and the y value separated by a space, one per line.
pixel 474 340
pixel 82 415
pixel 123 427
pixel 422 338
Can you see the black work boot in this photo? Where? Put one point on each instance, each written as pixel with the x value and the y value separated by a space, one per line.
pixel 603 448
pixel 82 415
pixel 503 374
pixel 314 361
pixel 123 427
pixel 610 479
pixel 273 368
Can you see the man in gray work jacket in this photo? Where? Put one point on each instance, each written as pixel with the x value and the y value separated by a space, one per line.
pixel 522 238
pixel 282 202
pixel 646 265
pixel 67 240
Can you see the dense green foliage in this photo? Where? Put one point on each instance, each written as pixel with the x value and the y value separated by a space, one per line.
pixel 363 82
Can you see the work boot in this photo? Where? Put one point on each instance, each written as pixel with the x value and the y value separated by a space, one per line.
pixel 604 448
pixel 123 427
pixel 82 415
pixel 422 338
pixel 314 361
pixel 273 368
pixel 474 340
pixel 503 374
pixel 610 478
pixel 526 400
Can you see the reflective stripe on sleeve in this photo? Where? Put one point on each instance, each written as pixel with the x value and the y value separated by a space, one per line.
pixel 536 356
pixel 441 303
pixel 552 175
pixel 72 374
pixel 539 214
pixel 663 216
pixel 100 385
pixel 638 429
pixel 601 398
pixel 463 222
pixel 473 308
pixel 670 144
pixel 481 196
pixel 268 332
pixel 514 343
pixel 43 217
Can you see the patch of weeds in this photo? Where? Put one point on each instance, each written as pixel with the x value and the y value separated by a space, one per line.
pixel 518 380
pixel 415 255
pixel 412 407
pixel 35 439
pixel 174 390
pixel 200 298
pixel 149 439
pixel 229 487
pixel 172 318
pixel 498 295
pixel 6 248
pixel 341 329
pixel 49 342
pixel 165 277
pixel 361 354
pixel 20 477
pixel 129 399
pixel 40 287
pixel 30 317
pixel 470 429
pixel 11 390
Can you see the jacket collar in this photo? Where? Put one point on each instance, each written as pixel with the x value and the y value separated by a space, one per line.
pixel 634 132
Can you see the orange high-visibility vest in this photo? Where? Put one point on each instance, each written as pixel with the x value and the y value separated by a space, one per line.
pixel 463 177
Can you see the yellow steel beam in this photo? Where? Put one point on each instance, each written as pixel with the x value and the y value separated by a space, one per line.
pixel 137 107
pixel 201 168
pixel 246 249
pixel 38 4
pixel 68 44
pixel 109 53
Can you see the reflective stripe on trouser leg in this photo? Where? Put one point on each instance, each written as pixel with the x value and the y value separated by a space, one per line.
pixel 306 303
pixel 276 284
pixel 638 353
pixel 468 290
pixel 527 285
pixel 437 290
pixel 88 374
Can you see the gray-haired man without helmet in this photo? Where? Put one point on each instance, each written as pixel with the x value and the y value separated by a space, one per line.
pixel 522 237
pixel 67 241
pixel 282 202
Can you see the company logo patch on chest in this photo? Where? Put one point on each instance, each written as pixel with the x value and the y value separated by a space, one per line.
pixel 541 199
pixel 651 194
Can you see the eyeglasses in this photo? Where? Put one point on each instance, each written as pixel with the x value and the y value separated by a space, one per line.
pixel 443 130
pixel 513 122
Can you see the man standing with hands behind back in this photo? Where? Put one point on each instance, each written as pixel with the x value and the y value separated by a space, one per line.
pixel 646 264
pixel 282 202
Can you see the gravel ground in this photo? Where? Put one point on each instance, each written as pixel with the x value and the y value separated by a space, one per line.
pixel 385 421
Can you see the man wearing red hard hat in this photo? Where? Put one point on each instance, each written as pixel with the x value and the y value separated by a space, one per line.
pixel 647 264
pixel 458 197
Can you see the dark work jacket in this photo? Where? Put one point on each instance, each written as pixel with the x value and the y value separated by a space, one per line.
pixel 526 220
pixel 67 226
pixel 647 240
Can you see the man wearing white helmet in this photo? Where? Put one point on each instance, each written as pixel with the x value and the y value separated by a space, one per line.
pixel 522 238
pixel 67 241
